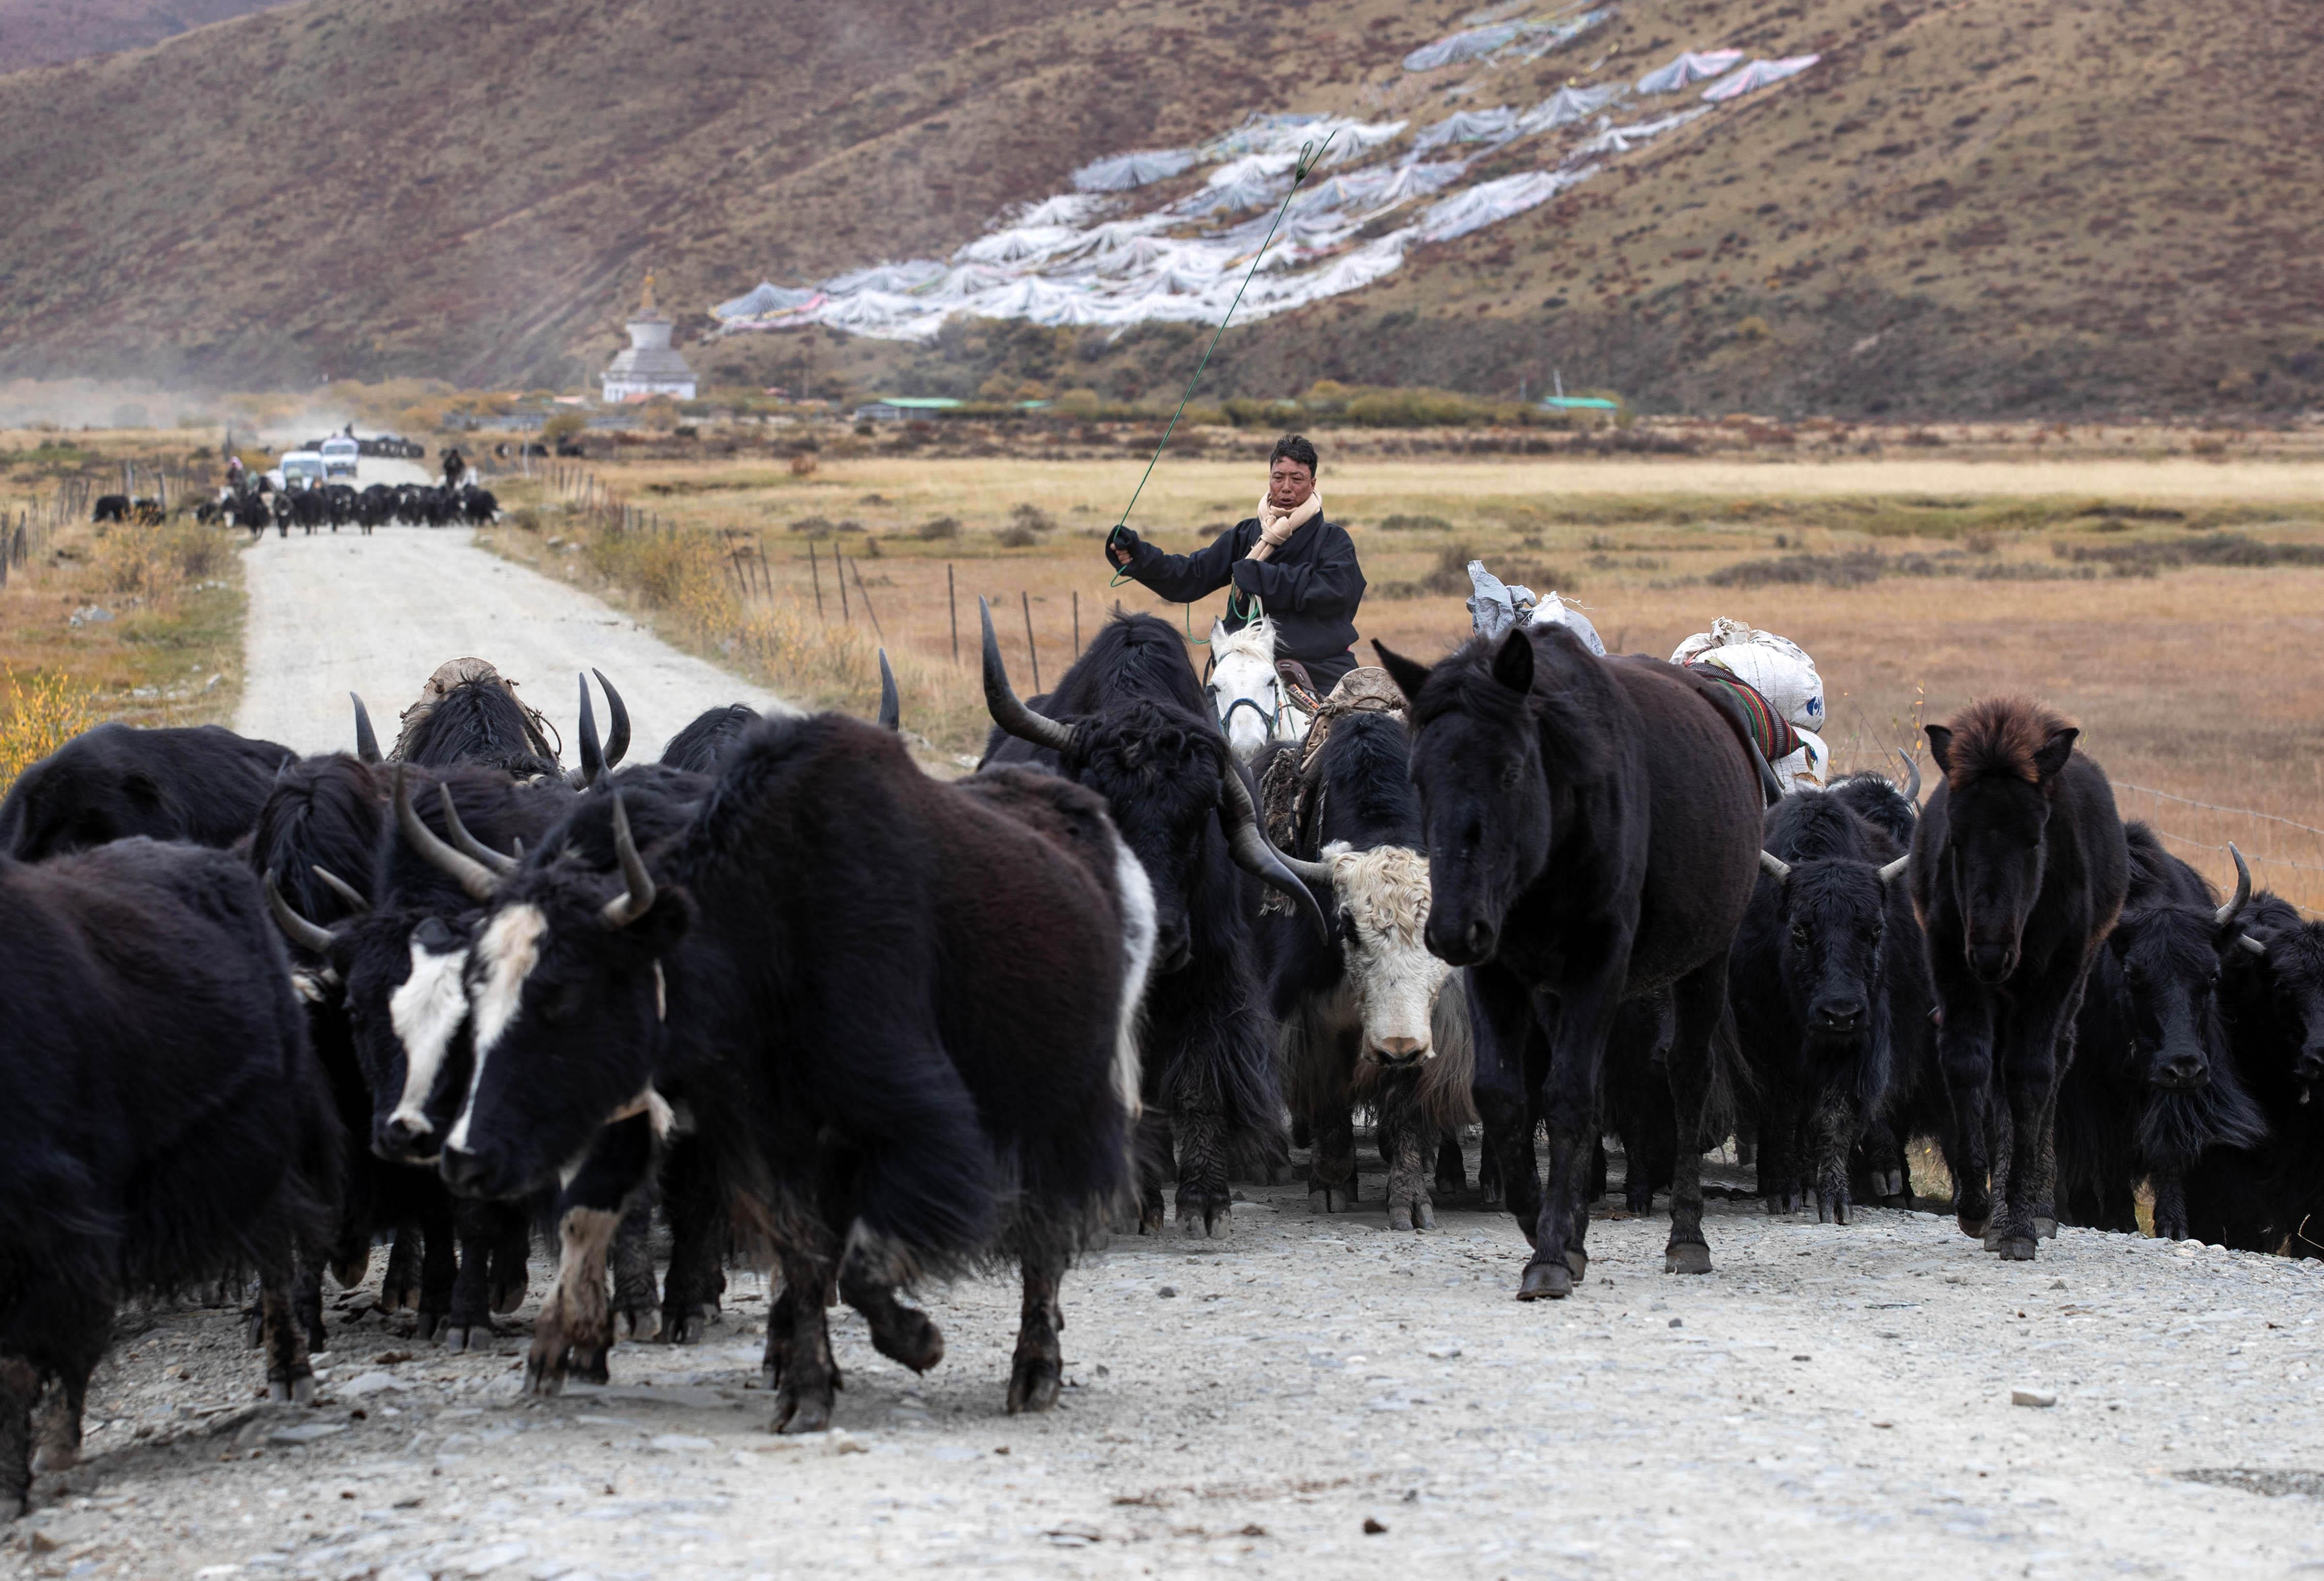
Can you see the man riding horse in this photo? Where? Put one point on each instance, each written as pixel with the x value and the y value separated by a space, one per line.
pixel 1287 563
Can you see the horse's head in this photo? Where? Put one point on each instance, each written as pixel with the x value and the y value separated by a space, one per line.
pixel 1247 696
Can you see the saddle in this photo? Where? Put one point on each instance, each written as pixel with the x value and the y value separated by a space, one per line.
pixel 1290 798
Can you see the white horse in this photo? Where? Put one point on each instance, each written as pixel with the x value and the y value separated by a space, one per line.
pixel 1254 706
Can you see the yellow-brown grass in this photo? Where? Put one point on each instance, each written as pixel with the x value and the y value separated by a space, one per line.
pixel 2197 684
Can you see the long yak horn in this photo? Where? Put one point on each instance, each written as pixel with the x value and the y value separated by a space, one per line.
pixel 1253 854
pixel 471 875
pixel 300 931
pixel 617 723
pixel 2227 914
pixel 367 742
pixel 637 895
pixel 892 704
pixel 593 754
pixel 1776 866
pixel 468 844
pixel 1911 779
pixel 357 903
pixel 1001 701
pixel 1889 870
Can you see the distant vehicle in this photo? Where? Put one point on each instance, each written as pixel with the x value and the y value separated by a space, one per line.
pixel 339 454
pixel 302 469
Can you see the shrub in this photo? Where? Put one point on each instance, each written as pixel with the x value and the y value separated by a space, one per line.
pixel 941 527
pixel 1401 523
pixel 562 425
pixel 804 463
pixel 1031 517
pixel 1018 536
pixel 814 527
pixel 1416 407
pixel 1449 575
pixel 40 718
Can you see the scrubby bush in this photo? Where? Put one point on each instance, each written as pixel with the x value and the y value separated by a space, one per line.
pixel 941 527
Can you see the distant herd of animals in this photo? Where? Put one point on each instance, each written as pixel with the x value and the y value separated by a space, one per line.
pixel 818 1008
pixel 325 505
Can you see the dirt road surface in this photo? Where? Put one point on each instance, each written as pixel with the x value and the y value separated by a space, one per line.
pixel 340 613
pixel 1830 1401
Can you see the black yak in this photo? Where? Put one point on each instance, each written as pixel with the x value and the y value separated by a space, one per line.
pixel 1129 721
pixel 163 1122
pixel 898 1013
pixel 203 784
pixel 2019 869
pixel 1593 830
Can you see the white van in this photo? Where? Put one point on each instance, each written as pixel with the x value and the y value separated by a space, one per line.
pixel 301 469
pixel 340 454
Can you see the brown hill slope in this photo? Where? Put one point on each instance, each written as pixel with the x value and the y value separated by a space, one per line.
pixel 46 32
pixel 1968 206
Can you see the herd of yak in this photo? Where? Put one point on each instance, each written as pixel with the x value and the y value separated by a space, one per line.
pixel 324 505
pixel 808 1003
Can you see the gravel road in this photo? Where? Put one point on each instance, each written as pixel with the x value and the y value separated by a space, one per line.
pixel 1830 1401
pixel 340 613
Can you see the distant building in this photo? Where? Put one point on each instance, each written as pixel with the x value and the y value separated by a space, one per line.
pixel 648 367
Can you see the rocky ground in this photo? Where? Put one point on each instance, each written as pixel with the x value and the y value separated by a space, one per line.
pixel 1310 1394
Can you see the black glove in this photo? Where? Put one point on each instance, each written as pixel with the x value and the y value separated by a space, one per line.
pixel 1121 545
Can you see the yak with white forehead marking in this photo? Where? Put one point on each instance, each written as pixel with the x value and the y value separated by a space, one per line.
pixel 896 1011
pixel 2152 1088
pixel 1366 1015
pixel 1128 720
pixel 398 959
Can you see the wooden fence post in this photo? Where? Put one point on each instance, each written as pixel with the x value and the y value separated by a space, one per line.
pixel 865 594
pixel 952 604
pixel 814 571
pixel 839 573
pixel 1077 622
pixel 1024 599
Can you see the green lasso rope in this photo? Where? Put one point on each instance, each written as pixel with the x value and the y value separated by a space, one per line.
pixel 1310 156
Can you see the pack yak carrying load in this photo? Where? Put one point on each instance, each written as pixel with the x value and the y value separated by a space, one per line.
pixel 1777 683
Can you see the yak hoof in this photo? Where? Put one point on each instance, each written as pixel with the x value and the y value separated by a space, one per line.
pixel 911 1338
pixel 425 1328
pixel 456 1337
pixel 1423 1215
pixel 278 1392
pixel 1577 1262
pixel 795 1413
pixel 354 1271
pixel 1686 1257
pixel 1033 1385
pixel 1897 1186
pixel 2017 1248
pixel 2045 1228
pixel 1218 1223
pixel 509 1297
pixel 1974 1226
pixel 1327 1199
pixel 1546 1282
pixel 544 1381
pixel 638 1322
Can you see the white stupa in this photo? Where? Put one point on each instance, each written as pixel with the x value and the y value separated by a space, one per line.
pixel 648 367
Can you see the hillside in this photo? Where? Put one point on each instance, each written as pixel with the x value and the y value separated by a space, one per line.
pixel 48 33
pixel 1964 208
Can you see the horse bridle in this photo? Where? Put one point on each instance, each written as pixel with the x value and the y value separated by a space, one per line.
pixel 1273 721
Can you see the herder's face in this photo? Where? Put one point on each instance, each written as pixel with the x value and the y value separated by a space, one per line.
pixel 1288 484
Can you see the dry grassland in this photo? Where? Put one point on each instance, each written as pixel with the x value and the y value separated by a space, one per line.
pixel 2191 681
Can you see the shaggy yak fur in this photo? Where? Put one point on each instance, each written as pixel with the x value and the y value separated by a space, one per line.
pixel 202 784
pixel 1369 1016
pixel 1144 739
pixel 2019 869
pixel 2271 1198
pixel 896 1011
pixel 163 1122
pixel 1593 828
pixel 2152 1088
